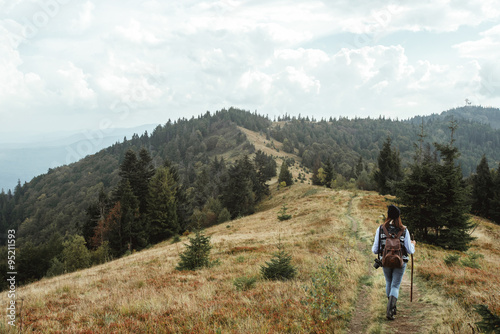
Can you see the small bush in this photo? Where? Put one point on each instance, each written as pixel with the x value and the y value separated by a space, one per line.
pixel 176 239
pixel 224 216
pixel 471 260
pixel 323 291
pixel 451 259
pixel 196 254
pixel 244 283
pixel 280 266
pixel 282 215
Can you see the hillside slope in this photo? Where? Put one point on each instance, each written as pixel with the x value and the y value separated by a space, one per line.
pixel 56 202
pixel 328 237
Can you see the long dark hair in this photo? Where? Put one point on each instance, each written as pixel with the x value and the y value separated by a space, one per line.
pixel 397 222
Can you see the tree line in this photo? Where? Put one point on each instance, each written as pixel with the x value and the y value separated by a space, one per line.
pixel 122 191
pixel 149 205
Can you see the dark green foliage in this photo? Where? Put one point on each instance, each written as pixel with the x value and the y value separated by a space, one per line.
pixel 280 267
pixel 495 199
pixel 162 207
pixel 95 212
pixel 490 324
pixel 238 194
pixel 329 173
pixel 482 189
pixel 265 168
pixel 75 255
pixel 417 195
pixel 244 283
pixel 433 199
pixel 285 175
pixel 80 198
pixel 451 259
pixel 197 253
pixel 389 169
pixel 454 210
pixel 56 268
pixel 282 215
pixel 323 291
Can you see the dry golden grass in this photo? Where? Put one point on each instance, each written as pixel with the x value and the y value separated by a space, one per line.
pixel 143 293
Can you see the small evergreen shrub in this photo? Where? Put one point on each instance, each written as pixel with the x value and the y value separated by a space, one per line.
pixel 196 254
pixel 471 260
pixel 280 267
pixel 244 283
pixel 451 259
pixel 282 215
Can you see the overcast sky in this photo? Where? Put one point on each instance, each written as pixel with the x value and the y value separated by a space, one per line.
pixel 73 65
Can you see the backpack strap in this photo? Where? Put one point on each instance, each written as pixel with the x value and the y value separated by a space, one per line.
pixel 398 235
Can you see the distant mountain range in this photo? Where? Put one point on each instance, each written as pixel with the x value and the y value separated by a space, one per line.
pixel 25 160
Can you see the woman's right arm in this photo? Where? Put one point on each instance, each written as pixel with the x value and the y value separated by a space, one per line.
pixel 375 246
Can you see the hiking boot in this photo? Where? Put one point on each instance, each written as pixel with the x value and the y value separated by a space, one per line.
pixel 394 309
pixel 391 303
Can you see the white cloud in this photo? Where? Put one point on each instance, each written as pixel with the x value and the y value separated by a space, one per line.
pixel 74 86
pixel 274 56
pixel 85 17
pixel 487 47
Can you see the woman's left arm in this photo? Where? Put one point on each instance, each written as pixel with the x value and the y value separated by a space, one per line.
pixel 410 247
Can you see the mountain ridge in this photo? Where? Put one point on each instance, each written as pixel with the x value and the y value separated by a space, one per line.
pixel 58 198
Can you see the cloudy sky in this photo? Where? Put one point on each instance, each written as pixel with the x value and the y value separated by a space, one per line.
pixel 73 65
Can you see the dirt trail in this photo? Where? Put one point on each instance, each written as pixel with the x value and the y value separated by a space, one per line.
pixel 410 317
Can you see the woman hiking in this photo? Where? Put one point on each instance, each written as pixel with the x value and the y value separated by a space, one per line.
pixel 392 240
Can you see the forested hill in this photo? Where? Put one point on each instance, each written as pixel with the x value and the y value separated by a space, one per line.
pixel 345 140
pixel 476 114
pixel 56 202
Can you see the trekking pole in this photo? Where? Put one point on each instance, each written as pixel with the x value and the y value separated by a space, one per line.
pixel 411 286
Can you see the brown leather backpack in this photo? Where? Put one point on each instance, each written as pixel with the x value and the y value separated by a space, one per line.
pixel 392 256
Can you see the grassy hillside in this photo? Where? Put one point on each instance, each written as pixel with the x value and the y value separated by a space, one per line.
pixel 329 237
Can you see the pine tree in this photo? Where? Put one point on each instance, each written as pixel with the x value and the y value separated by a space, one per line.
pixel 162 209
pixel 280 267
pixel 265 170
pixel 454 209
pixel 482 189
pixel 433 199
pixel 196 254
pixel 389 169
pixel 285 175
pixel 494 213
pixel 329 173
pixel 359 167
pixel 184 210
pixel 317 172
pixel 145 171
pixel 238 195
pixel 417 196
